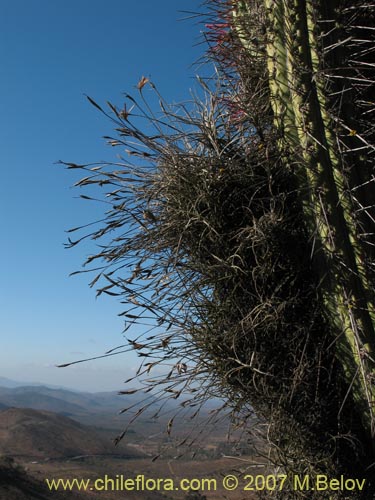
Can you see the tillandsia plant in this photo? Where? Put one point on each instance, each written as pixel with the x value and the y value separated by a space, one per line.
pixel 242 232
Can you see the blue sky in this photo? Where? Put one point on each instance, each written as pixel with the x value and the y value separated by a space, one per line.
pixel 52 53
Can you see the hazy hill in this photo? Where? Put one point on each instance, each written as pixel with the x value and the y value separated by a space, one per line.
pixel 62 400
pixel 7 382
pixel 35 397
pixel 42 434
pixel 102 409
pixel 99 409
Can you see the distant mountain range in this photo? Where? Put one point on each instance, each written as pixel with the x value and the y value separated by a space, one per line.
pixel 11 384
pixel 99 409
pixel 59 400
pixel 102 409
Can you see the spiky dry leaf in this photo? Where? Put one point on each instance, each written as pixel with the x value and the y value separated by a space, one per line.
pixel 142 82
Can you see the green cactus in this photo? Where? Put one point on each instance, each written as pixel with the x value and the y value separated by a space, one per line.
pixel 295 49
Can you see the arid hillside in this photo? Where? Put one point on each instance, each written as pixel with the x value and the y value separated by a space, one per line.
pixel 45 435
pixel 15 484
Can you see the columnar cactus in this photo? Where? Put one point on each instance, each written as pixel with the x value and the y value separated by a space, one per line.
pixel 320 66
